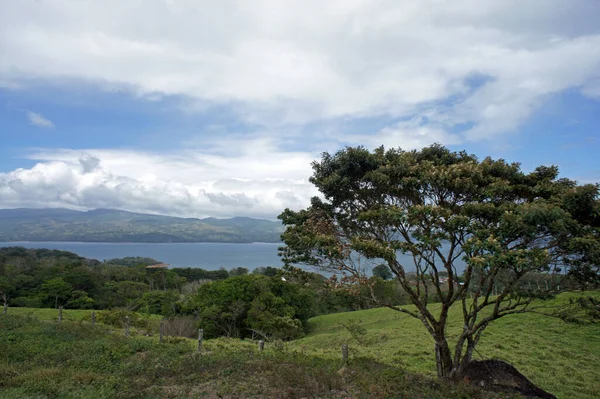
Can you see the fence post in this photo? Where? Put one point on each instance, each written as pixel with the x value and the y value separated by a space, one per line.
pixel 60 309
pixel 93 318
pixel 345 353
pixel 261 345
pixel 161 330
pixel 200 336
pixel 127 326
pixel 438 360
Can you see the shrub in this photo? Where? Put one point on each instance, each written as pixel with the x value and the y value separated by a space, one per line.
pixel 236 306
pixel 27 302
pixel 116 317
pixel 180 327
pixel 80 300
pixel 356 330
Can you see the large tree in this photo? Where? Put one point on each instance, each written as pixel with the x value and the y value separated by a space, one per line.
pixel 451 227
pixel 57 289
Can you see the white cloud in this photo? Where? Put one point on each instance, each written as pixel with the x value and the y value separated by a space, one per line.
pixel 439 71
pixel 411 134
pixel 257 182
pixel 38 120
pixel 301 61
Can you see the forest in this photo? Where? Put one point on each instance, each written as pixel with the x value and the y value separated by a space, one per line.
pixel 276 302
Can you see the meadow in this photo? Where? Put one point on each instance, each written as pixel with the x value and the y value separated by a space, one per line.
pixel 560 357
pixel 391 355
pixel 45 359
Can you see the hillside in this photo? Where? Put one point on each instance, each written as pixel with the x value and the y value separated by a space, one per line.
pixel 109 225
pixel 559 357
pixel 44 359
pixel 390 356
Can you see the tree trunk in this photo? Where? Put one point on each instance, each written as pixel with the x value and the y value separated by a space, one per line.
pixel 443 358
pixel 461 360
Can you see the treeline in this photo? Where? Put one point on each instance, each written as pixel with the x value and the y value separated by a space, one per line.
pixel 50 278
pixel 271 301
pixel 274 302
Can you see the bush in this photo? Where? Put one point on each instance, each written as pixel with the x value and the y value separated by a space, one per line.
pixel 180 327
pixel 26 302
pixel 80 300
pixel 159 302
pixel 236 306
pixel 356 330
pixel 116 318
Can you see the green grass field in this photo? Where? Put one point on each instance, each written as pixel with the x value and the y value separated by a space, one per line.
pixel 391 357
pixel 562 358
pixel 51 314
pixel 44 359
pixel 48 314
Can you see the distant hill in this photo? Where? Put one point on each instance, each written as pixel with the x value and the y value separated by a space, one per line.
pixel 110 225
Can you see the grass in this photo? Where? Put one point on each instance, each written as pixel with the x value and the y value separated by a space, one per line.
pixel 73 315
pixel 41 359
pixel 51 314
pixel 560 357
pixel 391 355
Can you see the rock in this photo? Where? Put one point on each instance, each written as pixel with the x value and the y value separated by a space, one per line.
pixel 500 376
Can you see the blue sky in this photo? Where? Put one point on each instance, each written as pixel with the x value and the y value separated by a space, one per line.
pixel 203 109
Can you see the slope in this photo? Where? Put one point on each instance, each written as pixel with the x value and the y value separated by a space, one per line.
pixel 560 357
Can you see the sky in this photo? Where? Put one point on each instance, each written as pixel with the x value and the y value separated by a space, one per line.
pixel 217 108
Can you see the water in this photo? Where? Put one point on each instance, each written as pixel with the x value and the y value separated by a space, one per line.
pixel 209 256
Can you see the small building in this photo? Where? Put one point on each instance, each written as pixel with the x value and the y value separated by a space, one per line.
pixel 158 266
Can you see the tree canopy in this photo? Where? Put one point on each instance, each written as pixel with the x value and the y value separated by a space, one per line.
pixel 382 271
pixel 469 231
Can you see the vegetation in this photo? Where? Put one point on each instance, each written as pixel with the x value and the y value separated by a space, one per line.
pixel 383 272
pixel 109 225
pixel 248 305
pixel 75 360
pixel 276 305
pixel 50 314
pixel 49 278
pixel 390 356
pixel 41 277
pixel 441 207
pixel 559 356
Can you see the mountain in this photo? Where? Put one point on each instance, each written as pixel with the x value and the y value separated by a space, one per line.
pixel 111 225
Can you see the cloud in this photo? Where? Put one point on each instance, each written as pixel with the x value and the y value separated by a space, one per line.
pixel 297 62
pixel 258 182
pixel 410 134
pixel 38 120
pixel 89 163
pixel 297 78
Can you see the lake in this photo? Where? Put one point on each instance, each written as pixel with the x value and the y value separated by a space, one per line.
pixel 209 256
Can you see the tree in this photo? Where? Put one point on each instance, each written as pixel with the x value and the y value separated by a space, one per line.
pixel 382 271
pixel 433 211
pixel 238 271
pixel 160 302
pixel 80 300
pixel 57 289
pixel 267 271
pixel 239 306
pixel 5 289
